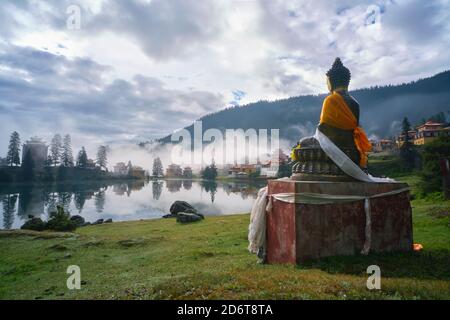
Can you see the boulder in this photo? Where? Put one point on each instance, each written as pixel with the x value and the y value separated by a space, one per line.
pixel 61 224
pixel 78 220
pixel 35 224
pixel 108 220
pixel 182 206
pixel 99 221
pixel 86 224
pixel 167 216
pixel 185 217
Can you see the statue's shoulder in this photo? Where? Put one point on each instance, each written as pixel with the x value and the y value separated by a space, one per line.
pixel 331 98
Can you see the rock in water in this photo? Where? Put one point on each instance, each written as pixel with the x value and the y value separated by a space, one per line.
pixel 79 220
pixel 185 217
pixel 35 224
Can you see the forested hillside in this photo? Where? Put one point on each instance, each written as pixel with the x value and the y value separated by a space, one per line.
pixel 382 109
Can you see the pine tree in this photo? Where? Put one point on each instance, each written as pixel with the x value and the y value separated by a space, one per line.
pixel 56 149
pixel 407 149
pixel 13 157
pixel 102 160
pixel 82 158
pixel 210 172
pixel 67 154
pixel 157 168
pixel 406 127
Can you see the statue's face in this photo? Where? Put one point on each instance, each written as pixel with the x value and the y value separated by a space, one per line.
pixel 330 88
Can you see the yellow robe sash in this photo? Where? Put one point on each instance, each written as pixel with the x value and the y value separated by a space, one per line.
pixel 336 113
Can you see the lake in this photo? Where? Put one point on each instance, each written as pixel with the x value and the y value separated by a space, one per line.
pixel 124 200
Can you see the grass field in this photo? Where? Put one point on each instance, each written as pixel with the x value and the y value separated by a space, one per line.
pixel 160 259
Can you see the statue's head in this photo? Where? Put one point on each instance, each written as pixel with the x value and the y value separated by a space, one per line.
pixel 338 76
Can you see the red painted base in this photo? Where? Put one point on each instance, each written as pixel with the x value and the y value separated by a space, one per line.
pixel 301 232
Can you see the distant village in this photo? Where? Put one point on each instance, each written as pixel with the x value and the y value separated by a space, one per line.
pixel 59 154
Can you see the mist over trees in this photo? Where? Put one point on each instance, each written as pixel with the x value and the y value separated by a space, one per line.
pixel 382 109
pixel 102 158
pixel 56 149
pixel 59 164
pixel 82 158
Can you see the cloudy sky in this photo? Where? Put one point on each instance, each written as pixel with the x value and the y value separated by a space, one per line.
pixel 138 69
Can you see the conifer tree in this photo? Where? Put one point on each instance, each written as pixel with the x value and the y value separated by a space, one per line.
pixel 13 156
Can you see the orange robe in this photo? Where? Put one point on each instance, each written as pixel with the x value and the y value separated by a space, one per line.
pixel 336 113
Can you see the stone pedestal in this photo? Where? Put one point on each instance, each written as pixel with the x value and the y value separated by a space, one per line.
pixel 300 232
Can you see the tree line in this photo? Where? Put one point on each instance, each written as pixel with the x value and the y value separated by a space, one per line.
pixel 60 154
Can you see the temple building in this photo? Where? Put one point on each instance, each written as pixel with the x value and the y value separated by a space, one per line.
pixel 121 169
pixel 425 133
pixel 38 150
pixel 383 145
pixel 242 170
pixel 137 172
pixel 174 171
pixel 430 131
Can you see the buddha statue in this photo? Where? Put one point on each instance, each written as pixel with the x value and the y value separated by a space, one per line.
pixel 339 122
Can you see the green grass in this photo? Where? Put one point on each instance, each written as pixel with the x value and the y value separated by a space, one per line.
pixel 160 259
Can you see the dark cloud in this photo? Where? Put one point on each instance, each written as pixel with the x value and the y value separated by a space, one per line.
pixel 44 90
pixel 420 22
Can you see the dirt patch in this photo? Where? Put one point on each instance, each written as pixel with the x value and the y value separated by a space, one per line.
pixel 36 235
pixel 93 243
pixel 58 247
pixel 127 243
pixel 439 213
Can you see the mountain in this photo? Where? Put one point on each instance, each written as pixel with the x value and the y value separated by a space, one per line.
pixel 382 110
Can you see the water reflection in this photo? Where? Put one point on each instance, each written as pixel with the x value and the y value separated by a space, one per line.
pixel 157 189
pixel 124 200
pixel 9 208
pixel 210 187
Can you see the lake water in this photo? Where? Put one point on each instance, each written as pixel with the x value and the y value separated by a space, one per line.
pixel 124 200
